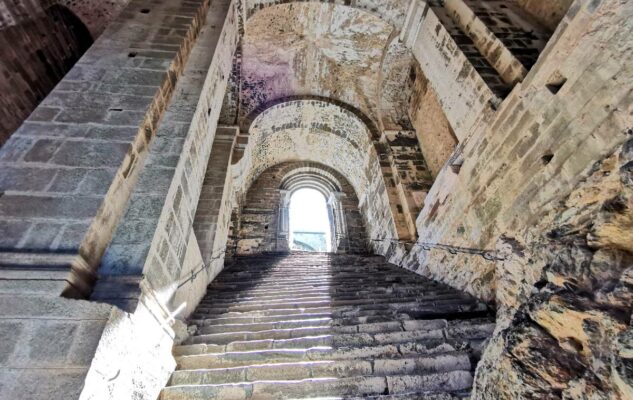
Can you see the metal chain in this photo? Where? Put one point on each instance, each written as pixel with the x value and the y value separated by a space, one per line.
pixel 489 255
pixel 203 267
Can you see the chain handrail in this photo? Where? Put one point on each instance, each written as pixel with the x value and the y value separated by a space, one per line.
pixel 489 255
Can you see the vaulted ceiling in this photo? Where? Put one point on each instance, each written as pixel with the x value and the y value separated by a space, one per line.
pixel 324 50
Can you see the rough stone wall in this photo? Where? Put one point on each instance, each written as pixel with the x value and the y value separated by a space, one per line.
pixel 34 55
pixel 86 143
pixel 39 43
pixel 578 314
pixel 48 343
pixel 410 174
pixel 256 229
pixel 434 133
pixel 487 72
pixel 322 132
pixel 548 13
pixel 392 11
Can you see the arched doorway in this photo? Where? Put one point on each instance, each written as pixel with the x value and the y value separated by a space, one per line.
pixel 310 221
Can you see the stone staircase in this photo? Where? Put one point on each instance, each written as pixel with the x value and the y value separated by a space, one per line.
pixel 313 325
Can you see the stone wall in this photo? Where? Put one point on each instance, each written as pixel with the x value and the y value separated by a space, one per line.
pixel 134 93
pixel 69 169
pixel 549 134
pixel 39 43
pixel 34 55
pixel 548 13
pixel 546 183
pixel 464 96
pixel 434 133
pixel 255 225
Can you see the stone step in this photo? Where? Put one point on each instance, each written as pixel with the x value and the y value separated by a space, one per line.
pixel 454 337
pixel 289 333
pixel 326 288
pixel 361 318
pixel 295 389
pixel 292 298
pixel 326 302
pixel 328 326
pixel 441 305
pixel 324 369
pixel 418 310
pixel 317 353
pixel 345 325
pixel 331 292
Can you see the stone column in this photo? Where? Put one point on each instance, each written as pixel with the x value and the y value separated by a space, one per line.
pixel 337 223
pixel 283 221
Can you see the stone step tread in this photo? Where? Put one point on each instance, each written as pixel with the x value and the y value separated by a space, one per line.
pixel 366 316
pixel 289 297
pixel 430 306
pixel 292 389
pixel 325 369
pixel 346 324
pixel 421 341
pixel 300 303
pixel 329 292
pixel 317 353
pixel 376 328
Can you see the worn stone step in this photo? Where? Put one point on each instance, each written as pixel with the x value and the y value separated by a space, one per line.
pixel 243 296
pixel 395 303
pixel 280 334
pixel 477 331
pixel 293 298
pixel 362 317
pixel 326 288
pixel 319 353
pixel 324 369
pixel 373 324
pixel 294 389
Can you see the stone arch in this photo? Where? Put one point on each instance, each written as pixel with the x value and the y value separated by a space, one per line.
pixel 262 223
pixel 392 12
pixel 331 185
pixel 322 132
pixel 247 122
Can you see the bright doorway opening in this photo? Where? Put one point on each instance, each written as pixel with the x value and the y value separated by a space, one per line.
pixel 309 222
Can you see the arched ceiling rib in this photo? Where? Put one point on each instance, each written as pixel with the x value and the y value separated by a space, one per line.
pixel 392 12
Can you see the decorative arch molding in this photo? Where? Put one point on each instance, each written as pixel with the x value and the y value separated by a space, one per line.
pixel 248 121
pixel 327 182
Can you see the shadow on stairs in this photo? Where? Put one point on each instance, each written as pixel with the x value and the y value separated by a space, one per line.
pixel 315 325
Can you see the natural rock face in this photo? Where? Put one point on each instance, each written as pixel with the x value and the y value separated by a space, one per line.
pixel 571 334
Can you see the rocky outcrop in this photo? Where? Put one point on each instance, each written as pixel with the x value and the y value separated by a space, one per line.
pixel 568 333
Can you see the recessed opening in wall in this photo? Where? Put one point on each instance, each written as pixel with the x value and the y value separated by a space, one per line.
pixel 309 221
pixel 555 83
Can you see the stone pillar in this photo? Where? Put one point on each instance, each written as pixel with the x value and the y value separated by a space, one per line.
pixel 338 224
pixel 69 170
pixel 147 251
pixel 283 224
pixel 466 98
